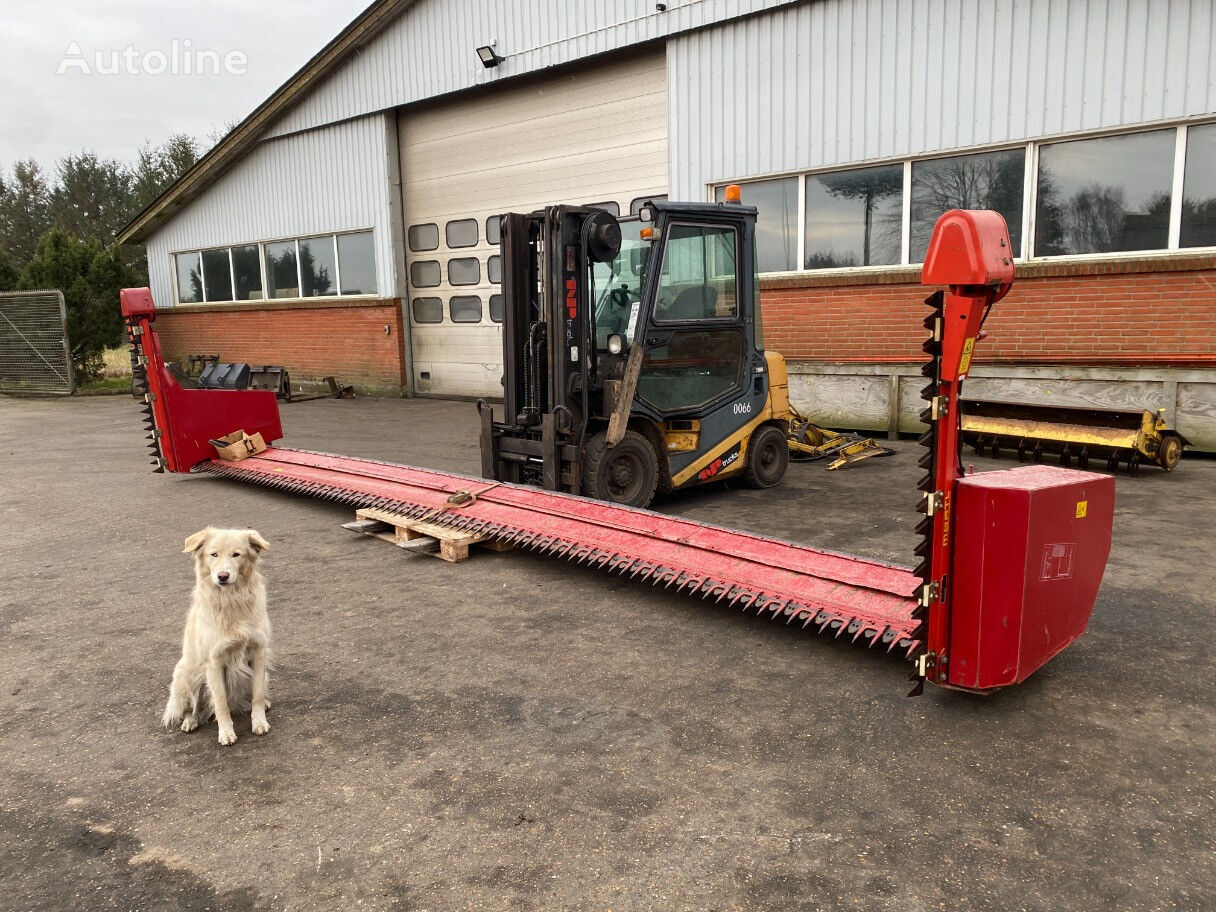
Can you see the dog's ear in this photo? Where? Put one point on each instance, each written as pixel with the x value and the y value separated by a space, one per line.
pixel 256 542
pixel 195 541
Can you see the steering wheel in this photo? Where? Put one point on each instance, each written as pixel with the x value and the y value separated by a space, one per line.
pixel 621 297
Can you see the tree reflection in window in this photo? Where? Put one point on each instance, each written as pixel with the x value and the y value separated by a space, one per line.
pixel 854 217
pixel 317 266
pixel 986 180
pixel 1104 195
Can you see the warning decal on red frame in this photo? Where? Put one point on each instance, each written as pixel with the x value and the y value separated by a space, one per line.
pixel 1057 561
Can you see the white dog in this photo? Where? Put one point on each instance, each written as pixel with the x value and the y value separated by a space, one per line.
pixel 226 647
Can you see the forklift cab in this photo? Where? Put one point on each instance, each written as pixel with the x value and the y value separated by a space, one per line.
pixel 658 379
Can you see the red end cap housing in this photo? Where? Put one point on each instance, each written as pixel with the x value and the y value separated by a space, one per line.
pixel 969 247
pixel 137 302
pixel 1030 549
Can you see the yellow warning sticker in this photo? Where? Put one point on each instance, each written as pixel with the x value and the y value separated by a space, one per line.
pixel 965 361
pixel 1082 507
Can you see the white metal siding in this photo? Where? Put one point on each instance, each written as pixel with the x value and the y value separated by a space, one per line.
pixel 430 50
pixel 594 136
pixel 332 179
pixel 843 81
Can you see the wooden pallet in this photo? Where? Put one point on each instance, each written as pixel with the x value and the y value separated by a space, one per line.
pixel 450 545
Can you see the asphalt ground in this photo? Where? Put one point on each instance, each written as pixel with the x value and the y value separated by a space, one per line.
pixel 513 732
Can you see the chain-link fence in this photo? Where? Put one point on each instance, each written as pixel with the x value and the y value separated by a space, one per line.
pixel 34 352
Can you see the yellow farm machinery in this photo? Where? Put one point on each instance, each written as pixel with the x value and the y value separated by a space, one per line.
pixel 1074 434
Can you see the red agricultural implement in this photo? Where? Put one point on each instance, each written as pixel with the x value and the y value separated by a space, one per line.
pixel 1009 562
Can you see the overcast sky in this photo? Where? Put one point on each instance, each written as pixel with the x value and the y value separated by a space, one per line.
pixel 50 105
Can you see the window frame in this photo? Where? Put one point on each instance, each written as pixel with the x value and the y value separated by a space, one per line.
pixel 1030 188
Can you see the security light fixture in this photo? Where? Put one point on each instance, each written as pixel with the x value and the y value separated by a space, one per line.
pixel 488 57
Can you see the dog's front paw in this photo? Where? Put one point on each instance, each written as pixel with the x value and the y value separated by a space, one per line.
pixel 190 723
pixel 227 736
pixel 170 719
pixel 260 726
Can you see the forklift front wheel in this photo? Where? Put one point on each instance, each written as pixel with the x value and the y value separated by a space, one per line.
pixel 626 473
pixel 768 456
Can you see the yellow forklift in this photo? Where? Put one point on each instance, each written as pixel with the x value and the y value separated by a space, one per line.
pixel 633 354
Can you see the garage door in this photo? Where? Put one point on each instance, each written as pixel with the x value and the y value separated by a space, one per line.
pixel 596 135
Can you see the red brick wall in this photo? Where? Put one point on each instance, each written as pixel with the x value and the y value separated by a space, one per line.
pixel 342 338
pixel 1152 310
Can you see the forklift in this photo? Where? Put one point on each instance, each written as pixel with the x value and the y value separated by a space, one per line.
pixel 633 354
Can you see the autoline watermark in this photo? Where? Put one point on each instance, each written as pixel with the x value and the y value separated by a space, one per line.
pixel 181 58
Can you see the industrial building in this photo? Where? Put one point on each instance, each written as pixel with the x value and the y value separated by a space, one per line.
pixel 349 225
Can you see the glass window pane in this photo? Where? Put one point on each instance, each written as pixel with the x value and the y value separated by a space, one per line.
pixel 357 259
pixel 1107 194
pixel 776 222
pixel 698 280
pixel 854 218
pixel 425 274
pixel 494 269
pixel 607 207
pixel 281 272
pixel 1199 188
pixel 465 309
pixel 496 308
pixel 318 267
pixel 987 180
pixel 217 275
pixel 693 368
pixel 462 233
pixel 428 310
pixel 464 271
pixel 493 229
pixel 636 206
pixel 423 237
pixel 189 278
pixel 246 266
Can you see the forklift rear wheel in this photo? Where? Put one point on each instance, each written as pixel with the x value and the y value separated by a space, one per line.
pixel 626 473
pixel 768 457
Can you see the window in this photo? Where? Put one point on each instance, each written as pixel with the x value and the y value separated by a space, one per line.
pixel 464 271
pixel 357 263
pixel 496 308
pixel 1106 194
pixel 636 206
pixel 698 281
pixel 1199 188
pixel 494 269
pixel 988 180
pixel 691 369
pixel 461 233
pixel 281 275
pixel 776 223
pixel 612 208
pixel 217 275
pixel 318 267
pixel 494 229
pixel 247 270
pixel 854 218
pixel 428 310
pixel 189 278
pixel 423 237
pixel 425 273
pixel 465 309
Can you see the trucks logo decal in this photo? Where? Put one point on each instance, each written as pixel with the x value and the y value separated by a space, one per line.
pixel 572 299
pixel 719 464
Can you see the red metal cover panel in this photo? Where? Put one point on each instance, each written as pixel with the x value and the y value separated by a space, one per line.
pixel 1031 547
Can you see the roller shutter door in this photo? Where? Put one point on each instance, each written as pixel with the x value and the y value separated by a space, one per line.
pixel 594 135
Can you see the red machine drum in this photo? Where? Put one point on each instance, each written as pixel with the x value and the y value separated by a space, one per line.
pixel 1030 547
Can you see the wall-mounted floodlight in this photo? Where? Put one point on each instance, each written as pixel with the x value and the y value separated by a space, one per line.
pixel 488 57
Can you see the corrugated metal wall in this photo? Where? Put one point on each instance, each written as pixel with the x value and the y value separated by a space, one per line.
pixel 430 50
pixel 332 179
pixel 841 81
